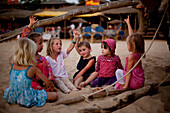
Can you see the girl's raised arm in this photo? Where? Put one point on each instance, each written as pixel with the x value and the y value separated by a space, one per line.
pixel 27 30
pixel 76 46
pixel 129 26
pixel 76 36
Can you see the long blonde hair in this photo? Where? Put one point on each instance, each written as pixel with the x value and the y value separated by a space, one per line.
pixel 25 52
pixel 50 45
pixel 138 41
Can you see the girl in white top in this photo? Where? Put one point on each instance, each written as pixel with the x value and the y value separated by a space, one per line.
pixel 55 58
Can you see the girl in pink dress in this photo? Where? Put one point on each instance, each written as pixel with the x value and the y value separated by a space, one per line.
pixel 135 79
pixel 42 63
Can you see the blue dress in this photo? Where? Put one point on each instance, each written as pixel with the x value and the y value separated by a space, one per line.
pixel 21 92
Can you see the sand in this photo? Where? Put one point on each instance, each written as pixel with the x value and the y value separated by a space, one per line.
pixel 154 66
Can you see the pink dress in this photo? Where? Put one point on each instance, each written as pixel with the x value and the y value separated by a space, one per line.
pixel 46 69
pixel 26 32
pixel 137 75
pixel 42 65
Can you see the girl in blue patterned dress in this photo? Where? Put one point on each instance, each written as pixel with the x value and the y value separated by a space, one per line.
pixel 21 74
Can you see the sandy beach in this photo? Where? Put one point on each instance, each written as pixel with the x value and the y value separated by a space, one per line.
pixel 157 58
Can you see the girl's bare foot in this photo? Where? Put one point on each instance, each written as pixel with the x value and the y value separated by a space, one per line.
pixel 83 84
pixel 78 88
pixel 99 88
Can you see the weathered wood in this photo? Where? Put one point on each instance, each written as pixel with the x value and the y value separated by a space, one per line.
pixel 72 13
pixel 119 101
pixel 82 98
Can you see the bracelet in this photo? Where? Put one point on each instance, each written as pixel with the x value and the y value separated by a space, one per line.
pixel 74 42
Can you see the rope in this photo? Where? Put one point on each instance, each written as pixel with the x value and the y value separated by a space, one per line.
pixel 163 80
pixel 137 61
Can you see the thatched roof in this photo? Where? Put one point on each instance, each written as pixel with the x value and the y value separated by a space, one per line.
pixel 122 10
pixel 79 20
pixel 54 2
pixel 69 8
pixel 115 21
pixel 17 14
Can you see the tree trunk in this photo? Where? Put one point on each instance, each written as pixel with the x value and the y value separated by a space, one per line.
pixel 72 13
pixel 82 98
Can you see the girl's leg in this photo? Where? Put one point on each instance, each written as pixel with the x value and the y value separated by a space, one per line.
pixel 89 79
pixel 119 74
pixel 78 81
pixel 60 83
pixel 69 84
pixel 52 96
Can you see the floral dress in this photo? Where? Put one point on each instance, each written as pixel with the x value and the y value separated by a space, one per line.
pixel 21 92
pixel 46 69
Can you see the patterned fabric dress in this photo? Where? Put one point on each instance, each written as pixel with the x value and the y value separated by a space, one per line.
pixel 46 69
pixel 21 92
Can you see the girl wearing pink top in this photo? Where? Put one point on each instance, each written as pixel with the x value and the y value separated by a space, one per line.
pixel 135 79
pixel 42 63
pixel 107 64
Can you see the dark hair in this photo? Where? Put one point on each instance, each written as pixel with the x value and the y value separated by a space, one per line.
pixel 84 43
pixel 34 35
pixel 106 46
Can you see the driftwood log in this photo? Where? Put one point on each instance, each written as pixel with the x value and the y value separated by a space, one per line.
pixel 82 98
pixel 72 13
pixel 118 101
pixel 130 93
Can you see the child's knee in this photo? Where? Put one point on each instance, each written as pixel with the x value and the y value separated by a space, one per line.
pixel 55 96
pixel 52 96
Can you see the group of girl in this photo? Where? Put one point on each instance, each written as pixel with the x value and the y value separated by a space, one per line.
pixel 33 77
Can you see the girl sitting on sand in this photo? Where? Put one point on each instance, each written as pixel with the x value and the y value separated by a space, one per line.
pixel 107 64
pixel 135 79
pixel 56 57
pixel 22 71
pixel 42 63
pixel 86 64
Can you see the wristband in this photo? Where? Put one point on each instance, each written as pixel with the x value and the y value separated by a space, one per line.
pixel 74 42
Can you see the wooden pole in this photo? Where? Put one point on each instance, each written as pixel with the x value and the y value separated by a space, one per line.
pixel 135 24
pixel 72 13
pixel 65 28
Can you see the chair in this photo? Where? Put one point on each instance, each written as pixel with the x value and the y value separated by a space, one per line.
pixel 87 33
pixel 115 34
pixel 121 34
pixel 99 33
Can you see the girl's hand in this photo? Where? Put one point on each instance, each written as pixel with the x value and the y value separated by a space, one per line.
pixel 83 84
pixel 49 84
pixel 125 87
pixel 127 20
pixel 33 20
pixel 76 33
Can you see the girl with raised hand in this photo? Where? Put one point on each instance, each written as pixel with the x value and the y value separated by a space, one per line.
pixel 86 64
pixel 107 64
pixel 42 63
pixel 55 57
pixel 135 79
